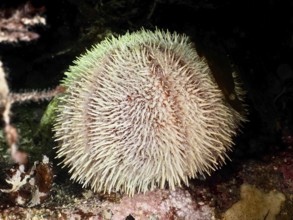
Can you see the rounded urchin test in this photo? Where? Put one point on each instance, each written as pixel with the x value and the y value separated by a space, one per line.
pixel 142 111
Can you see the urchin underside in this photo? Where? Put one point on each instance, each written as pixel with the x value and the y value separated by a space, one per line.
pixel 140 112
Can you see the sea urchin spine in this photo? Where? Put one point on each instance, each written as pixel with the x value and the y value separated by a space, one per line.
pixel 142 111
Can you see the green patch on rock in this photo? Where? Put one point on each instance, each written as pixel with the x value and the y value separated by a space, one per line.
pixel 255 204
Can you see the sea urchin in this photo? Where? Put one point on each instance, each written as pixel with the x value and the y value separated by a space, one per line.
pixel 142 111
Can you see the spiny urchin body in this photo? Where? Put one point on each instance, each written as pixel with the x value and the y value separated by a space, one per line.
pixel 142 111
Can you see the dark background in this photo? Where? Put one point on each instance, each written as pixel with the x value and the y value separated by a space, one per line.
pixel 255 37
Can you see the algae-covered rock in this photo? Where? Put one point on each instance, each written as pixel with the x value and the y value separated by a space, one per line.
pixel 255 205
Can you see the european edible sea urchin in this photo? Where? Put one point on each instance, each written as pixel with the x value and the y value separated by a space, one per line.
pixel 142 111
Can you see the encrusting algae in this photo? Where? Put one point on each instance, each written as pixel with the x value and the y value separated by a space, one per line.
pixel 255 204
pixel 143 111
